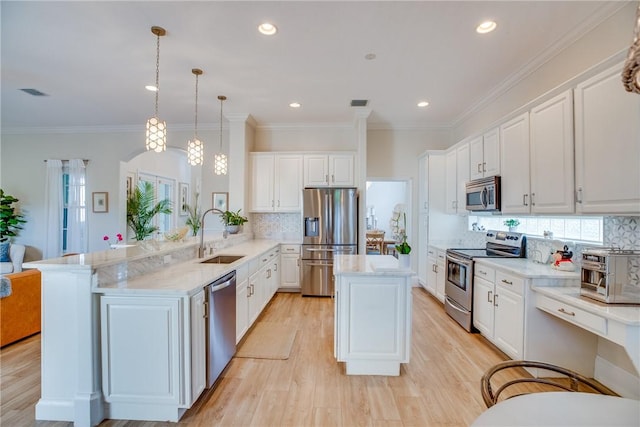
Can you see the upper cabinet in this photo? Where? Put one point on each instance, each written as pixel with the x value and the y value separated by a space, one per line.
pixel 552 172
pixel 276 182
pixel 607 155
pixel 484 155
pixel 329 170
pixel 514 166
pixel 457 175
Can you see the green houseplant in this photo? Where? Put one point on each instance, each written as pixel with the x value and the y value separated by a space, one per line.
pixel 142 208
pixel 402 247
pixel 233 220
pixel 194 221
pixel 10 220
pixel 511 223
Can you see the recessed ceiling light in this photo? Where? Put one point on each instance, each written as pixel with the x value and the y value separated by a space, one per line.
pixel 295 105
pixel 151 88
pixel 486 27
pixel 423 104
pixel 267 29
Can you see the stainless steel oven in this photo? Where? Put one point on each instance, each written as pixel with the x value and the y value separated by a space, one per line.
pixel 458 286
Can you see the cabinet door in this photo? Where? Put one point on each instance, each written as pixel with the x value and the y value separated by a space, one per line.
pixel 255 293
pixel 607 145
pixel 462 171
pixel 552 186
pixel 242 309
pixel 491 153
pixel 142 349
pixel 483 306
pixel 451 192
pixel 423 227
pixel 262 178
pixel 290 274
pixel 514 141
pixel 316 170
pixel 432 273
pixel 341 170
pixel 476 158
pixel 423 184
pixel 442 277
pixel 509 322
pixel 288 183
pixel 198 346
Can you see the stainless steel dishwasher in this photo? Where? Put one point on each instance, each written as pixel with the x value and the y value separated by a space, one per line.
pixel 221 325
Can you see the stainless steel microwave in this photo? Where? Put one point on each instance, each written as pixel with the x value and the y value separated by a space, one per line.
pixel 483 194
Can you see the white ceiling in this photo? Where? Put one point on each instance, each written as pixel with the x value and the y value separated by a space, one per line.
pixel 93 59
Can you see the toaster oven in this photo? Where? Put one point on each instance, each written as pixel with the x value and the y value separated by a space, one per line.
pixel 611 275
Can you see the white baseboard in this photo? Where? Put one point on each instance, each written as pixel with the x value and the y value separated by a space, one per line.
pixel 617 379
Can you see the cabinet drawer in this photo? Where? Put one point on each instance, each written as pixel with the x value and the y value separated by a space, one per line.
pixel 484 272
pixel 573 315
pixel 290 249
pixel 432 252
pixel 513 283
pixel 441 256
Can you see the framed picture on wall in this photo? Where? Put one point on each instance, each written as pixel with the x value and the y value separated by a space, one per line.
pixel 100 201
pixel 183 198
pixel 220 201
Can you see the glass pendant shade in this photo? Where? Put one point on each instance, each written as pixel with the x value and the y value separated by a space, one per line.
pixel 156 135
pixel 220 164
pixel 194 152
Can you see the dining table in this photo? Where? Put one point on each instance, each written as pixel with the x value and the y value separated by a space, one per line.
pixel 562 409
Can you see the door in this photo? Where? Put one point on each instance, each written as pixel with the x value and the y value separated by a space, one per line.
pixel 483 306
pixel 450 182
pixel 341 170
pixel 263 170
pixel 509 322
pixel 343 221
pixel 514 140
pixel 317 278
pixel 288 182
pixel 316 170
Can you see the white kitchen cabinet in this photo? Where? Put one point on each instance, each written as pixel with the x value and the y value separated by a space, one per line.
pixel 329 170
pixel 484 155
pixel 290 267
pixel 373 323
pixel 423 184
pixel 143 357
pixel 436 275
pixel 276 182
pixel 607 152
pixel 498 309
pixel 450 180
pixel 242 301
pixel 457 174
pixel 552 157
pixel 514 165
pixel 198 345
pixel 423 249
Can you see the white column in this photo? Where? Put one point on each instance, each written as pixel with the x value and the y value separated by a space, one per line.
pixel 241 137
pixel 361 116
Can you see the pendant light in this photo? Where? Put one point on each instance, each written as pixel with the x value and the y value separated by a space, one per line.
pixel 156 128
pixel 220 159
pixel 194 146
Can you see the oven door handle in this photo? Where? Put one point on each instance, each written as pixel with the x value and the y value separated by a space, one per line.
pixel 455 305
pixel 458 260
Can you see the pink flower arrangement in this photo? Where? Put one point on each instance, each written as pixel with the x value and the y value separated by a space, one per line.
pixel 108 240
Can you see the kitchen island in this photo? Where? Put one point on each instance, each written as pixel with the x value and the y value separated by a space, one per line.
pixel 123 330
pixel 373 309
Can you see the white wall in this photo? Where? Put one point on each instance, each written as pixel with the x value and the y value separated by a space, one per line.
pixel 307 138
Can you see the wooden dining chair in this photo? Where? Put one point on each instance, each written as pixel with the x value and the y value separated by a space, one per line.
pixel 515 377
pixel 375 242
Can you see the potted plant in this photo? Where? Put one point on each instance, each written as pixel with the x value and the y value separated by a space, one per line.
pixel 142 208
pixel 10 220
pixel 233 221
pixel 403 247
pixel 512 224
pixel 194 221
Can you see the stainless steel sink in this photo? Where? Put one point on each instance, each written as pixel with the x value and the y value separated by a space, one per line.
pixel 222 259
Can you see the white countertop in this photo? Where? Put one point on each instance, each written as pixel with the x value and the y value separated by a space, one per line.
pixel 190 276
pixel 375 265
pixel 526 268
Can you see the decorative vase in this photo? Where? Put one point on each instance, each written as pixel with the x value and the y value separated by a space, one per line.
pixel 512 229
pixel 404 261
pixel 233 229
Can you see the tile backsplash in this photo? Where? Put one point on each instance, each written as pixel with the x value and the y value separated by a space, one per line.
pixel 279 226
pixel 622 232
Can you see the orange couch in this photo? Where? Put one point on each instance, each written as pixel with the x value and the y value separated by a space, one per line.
pixel 20 312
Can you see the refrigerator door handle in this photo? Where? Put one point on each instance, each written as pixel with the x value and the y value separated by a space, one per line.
pixel 319 250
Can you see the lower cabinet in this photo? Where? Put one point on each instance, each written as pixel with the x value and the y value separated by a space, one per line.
pixel 290 267
pixel 242 301
pixel 372 323
pixel 436 275
pixel 153 351
pixel 498 309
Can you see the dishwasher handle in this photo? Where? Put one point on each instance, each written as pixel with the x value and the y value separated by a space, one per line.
pixel 224 282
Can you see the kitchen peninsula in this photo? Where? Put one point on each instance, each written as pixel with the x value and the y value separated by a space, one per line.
pixel 373 310
pixel 158 290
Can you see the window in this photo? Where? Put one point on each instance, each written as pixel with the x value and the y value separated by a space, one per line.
pixel 586 229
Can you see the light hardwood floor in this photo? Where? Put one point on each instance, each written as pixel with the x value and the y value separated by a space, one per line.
pixel 440 386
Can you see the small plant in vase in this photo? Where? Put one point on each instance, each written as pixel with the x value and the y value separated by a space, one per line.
pixel 512 224
pixel 403 247
pixel 233 221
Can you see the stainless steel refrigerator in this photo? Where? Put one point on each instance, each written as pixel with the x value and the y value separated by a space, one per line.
pixel 330 227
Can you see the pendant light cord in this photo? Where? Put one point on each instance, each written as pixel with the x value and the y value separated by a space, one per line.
pixel 221 98
pixel 196 120
pixel 157 70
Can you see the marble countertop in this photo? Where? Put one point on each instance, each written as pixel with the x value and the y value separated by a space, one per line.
pixel 374 265
pixel 629 315
pixel 190 276
pixel 526 268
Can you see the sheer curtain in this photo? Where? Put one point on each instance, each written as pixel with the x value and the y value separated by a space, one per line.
pixel 53 209
pixel 76 208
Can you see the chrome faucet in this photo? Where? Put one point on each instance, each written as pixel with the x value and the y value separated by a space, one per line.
pixel 201 248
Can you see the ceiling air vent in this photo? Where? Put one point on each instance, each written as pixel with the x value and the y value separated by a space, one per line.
pixel 34 92
pixel 359 102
